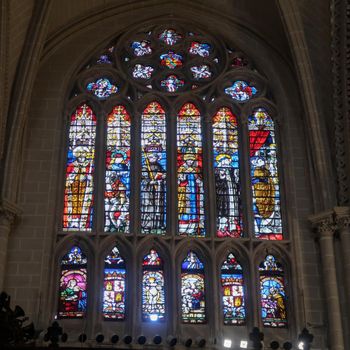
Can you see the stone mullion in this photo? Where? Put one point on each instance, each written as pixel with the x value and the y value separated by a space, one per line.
pixel 325 233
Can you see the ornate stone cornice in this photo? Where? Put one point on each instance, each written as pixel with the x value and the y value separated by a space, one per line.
pixel 342 218
pixel 8 212
pixel 323 223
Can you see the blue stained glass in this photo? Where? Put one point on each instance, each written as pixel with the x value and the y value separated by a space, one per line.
pixel 74 257
pixel 273 295
pixel 104 59
pixel 114 286
pixel 192 262
pixel 141 48
pixel 170 36
pixel 152 259
pixel 201 72
pixel 142 72
pixel 102 88
pixel 172 83
pixel 241 91
pixel 197 48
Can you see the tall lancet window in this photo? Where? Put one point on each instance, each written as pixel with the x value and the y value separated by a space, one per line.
pixel 192 290
pixel 154 165
pixel 117 180
pixel 272 293
pixel 232 286
pixel 73 284
pixel 153 288
pixel 78 194
pixel 114 286
pixel 190 172
pixel 264 176
pixel 226 170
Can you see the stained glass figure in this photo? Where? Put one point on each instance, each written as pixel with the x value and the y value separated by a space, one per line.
pixel 153 293
pixel 201 72
pixel 241 91
pixel 142 72
pixel 171 60
pixel 141 48
pixel 102 88
pixel 154 165
pixel 78 194
pixel 170 36
pixel 189 172
pixel 117 180
pixel 232 285
pixel 104 59
pixel 73 285
pixel 226 170
pixel 272 292
pixel 200 49
pixel 172 83
pixel 114 286
pixel 264 176
pixel 192 290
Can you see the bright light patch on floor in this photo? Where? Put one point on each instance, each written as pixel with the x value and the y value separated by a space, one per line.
pixel 243 344
pixel 227 343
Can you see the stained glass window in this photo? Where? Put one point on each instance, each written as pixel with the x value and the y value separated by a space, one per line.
pixel 73 284
pixel 142 72
pixel 264 176
pixel 117 180
pixel 201 72
pixel 241 91
pixel 232 288
pixel 114 286
pixel 102 88
pixel 199 49
pixel 154 165
pixel 141 48
pixel 272 293
pixel 172 83
pixel 192 290
pixel 153 293
pixel 170 36
pixel 189 172
pixel 226 171
pixel 171 60
pixel 78 194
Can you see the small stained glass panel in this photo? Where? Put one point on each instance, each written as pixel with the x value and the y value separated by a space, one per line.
pixel 152 259
pixel 232 286
pixel 142 72
pixel 73 285
pixel 171 60
pixel 272 293
pixel 102 88
pixel 200 49
pixel 170 36
pixel 172 83
pixel 141 48
pixel 201 72
pixel 264 176
pixel 241 91
pixel 114 286
pixel 192 289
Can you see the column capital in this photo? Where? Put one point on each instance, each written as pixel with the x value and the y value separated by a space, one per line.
pixel 323 223
pixel 342 218
pixel 8 212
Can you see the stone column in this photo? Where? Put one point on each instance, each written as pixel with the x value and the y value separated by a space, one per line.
pixel 7 216
pixel 325 228
pixel 342 217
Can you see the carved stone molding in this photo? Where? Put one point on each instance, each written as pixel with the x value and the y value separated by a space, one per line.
pixel 323 224
pixel 340 22
pixel 342 218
